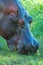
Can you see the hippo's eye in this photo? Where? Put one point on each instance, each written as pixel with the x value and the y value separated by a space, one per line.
pixel 25 16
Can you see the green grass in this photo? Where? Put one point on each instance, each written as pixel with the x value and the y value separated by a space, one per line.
pixel 35 9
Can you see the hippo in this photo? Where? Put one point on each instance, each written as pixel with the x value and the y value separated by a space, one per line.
pixel 14 27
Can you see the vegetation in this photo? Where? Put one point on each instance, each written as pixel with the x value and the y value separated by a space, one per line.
pixel 35 9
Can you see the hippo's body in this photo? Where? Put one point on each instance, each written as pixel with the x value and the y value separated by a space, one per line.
pixel 14 27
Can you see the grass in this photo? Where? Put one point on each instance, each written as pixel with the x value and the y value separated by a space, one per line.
pixel 35 9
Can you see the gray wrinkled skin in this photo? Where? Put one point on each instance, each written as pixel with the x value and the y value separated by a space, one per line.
pixel 15 28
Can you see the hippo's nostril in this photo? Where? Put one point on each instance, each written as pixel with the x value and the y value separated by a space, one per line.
pixel 30 20
pixel 34 47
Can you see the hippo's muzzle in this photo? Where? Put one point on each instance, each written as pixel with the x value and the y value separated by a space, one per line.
pixel 27 43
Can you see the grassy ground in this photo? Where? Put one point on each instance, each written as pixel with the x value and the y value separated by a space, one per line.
pixel 35 9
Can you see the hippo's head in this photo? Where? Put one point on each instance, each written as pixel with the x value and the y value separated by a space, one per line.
pixel 18 20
